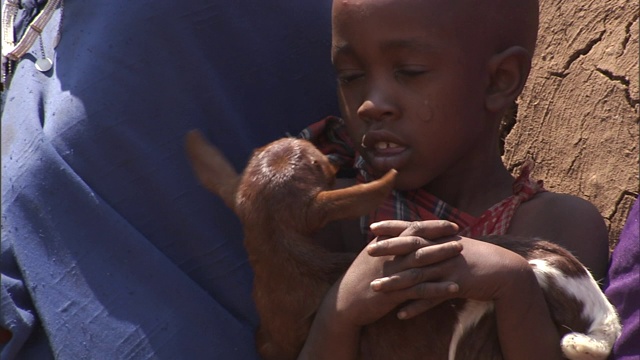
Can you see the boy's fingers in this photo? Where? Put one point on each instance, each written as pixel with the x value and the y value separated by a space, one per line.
pixel 423 297
pixel 411 277
pixel 418 251
pixel 397 246
pixel 410 272
pixel 389 227
pixel 417 307
pixel 434 254
pixel 431 229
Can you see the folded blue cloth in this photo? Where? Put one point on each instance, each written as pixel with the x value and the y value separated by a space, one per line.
pixel 623 286
pixel 110 247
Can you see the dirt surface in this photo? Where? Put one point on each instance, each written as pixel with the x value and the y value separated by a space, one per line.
pixel 578 115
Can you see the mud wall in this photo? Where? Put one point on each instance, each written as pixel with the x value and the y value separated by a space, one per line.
pixel 578 114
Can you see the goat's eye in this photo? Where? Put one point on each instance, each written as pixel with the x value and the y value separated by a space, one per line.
pixel 316 164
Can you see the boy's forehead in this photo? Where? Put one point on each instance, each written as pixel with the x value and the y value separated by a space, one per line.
pixel 434 12
pixel 514 21
pixel 421 15
pixel 423 4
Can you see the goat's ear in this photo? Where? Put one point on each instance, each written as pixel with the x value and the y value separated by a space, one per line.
pixel 212 168
pixel 351 202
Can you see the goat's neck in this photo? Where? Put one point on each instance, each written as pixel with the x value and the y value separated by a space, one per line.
pixel 295 254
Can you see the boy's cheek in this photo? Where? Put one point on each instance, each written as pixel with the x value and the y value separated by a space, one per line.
pixel 355 130
pixel 349 103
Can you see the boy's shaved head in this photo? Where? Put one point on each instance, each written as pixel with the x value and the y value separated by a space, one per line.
pixel 490 25
pixel 509 22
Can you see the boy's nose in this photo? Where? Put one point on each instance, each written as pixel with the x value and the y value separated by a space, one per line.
pixel 377 106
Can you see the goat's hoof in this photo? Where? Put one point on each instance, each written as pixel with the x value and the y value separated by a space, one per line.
pixel 576 346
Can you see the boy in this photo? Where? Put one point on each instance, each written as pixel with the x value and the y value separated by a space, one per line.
pixel 423 85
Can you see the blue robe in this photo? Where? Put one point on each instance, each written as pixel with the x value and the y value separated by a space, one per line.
pixel 622 286
pixel 110 247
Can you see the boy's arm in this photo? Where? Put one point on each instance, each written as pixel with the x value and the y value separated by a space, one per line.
pixel 351 303
pixel 330 337
pixel 524 323
pixel 489 272
pixel 525 328
pixel 569 221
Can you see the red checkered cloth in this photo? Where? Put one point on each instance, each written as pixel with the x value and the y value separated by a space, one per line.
pixel 330 136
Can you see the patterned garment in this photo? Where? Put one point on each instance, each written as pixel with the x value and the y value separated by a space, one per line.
pixel 330 136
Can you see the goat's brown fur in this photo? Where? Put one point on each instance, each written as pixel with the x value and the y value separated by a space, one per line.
pixel 283 196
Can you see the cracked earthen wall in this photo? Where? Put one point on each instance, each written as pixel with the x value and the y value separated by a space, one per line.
pixel 578 115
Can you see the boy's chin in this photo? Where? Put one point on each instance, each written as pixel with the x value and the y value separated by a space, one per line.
pixel 404 181
pixel 382 164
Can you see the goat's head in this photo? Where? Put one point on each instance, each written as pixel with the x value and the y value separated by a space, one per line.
pixel 289 181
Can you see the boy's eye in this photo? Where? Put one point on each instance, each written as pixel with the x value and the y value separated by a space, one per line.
pixel 346 77
pixel 410 71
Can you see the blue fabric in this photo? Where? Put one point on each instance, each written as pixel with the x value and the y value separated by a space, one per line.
pixel 110 247
pixel 623 287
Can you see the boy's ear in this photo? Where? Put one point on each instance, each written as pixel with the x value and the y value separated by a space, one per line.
pixel 508 73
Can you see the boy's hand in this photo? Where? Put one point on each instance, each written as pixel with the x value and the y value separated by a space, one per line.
pixel 483 271
pixel 357 301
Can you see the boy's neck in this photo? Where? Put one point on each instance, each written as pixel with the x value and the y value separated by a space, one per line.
pixel 474 191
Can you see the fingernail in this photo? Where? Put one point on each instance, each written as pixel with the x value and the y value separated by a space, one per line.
pixel 375 284
pixel 402 315
pixel 453 288
pixel 374 225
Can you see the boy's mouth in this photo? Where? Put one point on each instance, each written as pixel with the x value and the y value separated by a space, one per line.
pixel 384 151
pixel 383 145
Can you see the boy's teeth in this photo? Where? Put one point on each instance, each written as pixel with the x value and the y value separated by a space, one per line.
pixel 385 145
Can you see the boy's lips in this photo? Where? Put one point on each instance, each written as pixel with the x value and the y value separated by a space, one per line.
pixel 384 150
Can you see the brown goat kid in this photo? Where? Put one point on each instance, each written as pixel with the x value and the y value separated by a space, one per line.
pixel 284 196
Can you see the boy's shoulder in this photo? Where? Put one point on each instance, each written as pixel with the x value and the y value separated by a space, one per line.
pixel 567 220
pixel 557 208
